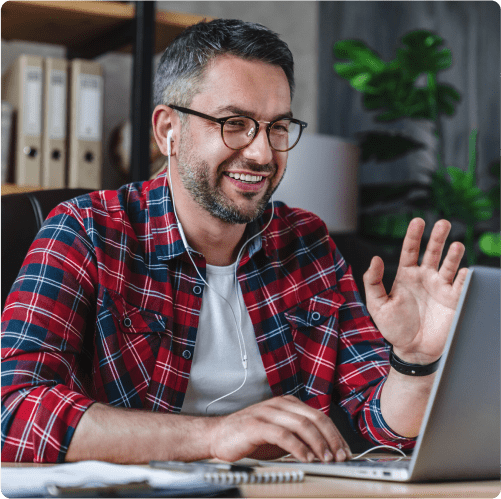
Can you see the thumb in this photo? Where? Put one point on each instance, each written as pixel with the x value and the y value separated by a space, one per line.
pixel 374 287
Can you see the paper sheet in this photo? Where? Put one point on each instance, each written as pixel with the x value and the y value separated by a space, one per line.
pixel 31 481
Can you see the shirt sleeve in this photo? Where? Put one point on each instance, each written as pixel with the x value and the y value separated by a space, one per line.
pixel 44 323
pixel 362 365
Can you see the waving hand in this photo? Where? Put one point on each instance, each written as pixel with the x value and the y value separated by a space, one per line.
pixel 416 315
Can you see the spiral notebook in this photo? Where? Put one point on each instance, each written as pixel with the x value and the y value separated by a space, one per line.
pixel 228 473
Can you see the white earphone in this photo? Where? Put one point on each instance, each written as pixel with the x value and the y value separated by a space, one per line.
pixel 169 141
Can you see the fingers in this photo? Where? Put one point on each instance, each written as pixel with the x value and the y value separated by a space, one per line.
pixel 286 422
pixel 451 262
pixel 315 428
pixel 410 247
pixel 434 249
pixel 373 283
pixel 459 282
pixel 435 246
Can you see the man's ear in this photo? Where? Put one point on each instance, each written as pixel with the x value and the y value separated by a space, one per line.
pixel 163 120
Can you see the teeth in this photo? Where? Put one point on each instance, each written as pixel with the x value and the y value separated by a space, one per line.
pixel 246 178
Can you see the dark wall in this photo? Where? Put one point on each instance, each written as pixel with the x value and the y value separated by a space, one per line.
pixel 470 29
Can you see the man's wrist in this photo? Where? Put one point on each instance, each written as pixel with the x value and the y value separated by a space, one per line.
pixel 412 369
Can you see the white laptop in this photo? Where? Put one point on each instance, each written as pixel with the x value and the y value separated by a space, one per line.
pixel 460 433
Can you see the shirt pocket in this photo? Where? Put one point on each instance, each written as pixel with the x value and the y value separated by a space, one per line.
pixel 315 311
pixel 133 319
pixel 128 339
pixel 315 330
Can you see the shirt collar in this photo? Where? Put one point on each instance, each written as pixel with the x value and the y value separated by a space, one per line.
pixel 170 242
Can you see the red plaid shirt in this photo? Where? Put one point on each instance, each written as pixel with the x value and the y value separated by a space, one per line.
pixel 106 308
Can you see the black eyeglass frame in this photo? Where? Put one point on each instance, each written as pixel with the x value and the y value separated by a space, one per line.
pixel 222 121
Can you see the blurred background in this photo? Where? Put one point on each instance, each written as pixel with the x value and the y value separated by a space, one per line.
pixel 437 156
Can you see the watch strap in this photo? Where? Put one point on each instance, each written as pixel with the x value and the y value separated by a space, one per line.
pixel 412 369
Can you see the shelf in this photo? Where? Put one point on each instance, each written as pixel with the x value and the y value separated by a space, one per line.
pixel 89 29
pixel 86 26
pixel 17 189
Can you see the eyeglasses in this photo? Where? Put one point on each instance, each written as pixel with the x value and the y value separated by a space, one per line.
pixel 239 131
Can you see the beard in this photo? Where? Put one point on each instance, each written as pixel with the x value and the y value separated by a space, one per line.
pixel 195 175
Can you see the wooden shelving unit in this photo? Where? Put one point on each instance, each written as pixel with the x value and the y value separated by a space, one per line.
pixel 89 29
pixel 18 189
pixel 78 25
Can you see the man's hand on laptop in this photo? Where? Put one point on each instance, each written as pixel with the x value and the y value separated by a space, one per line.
pixel 415 317
pixel 275 427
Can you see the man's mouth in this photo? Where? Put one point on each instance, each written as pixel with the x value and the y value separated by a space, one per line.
pixel 246 178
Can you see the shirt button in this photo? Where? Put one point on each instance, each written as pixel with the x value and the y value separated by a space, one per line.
pixel 315 316
pixel 187 354
pixel 127 322
pixel 197 290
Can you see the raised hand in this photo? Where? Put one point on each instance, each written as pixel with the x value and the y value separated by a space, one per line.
pixel 416 315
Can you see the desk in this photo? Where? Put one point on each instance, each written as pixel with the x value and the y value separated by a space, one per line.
pixel 317 486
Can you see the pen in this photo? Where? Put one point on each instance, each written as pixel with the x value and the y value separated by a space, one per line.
pixel 199 466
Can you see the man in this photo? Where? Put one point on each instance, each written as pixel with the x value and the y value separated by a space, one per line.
pixel 140 312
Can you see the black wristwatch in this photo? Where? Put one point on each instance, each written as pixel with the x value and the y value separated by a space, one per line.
pixel 412 369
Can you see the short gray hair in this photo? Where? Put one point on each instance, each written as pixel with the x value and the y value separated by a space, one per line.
pixel 182 65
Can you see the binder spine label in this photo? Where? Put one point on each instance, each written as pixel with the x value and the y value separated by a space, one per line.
pixel 32 109
pixel 57 104
pixel 89 119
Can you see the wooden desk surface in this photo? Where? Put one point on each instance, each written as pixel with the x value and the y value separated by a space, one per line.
pixel 318 486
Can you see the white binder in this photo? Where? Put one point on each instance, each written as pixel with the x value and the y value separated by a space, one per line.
pixel 54 123
pixel 22 88
pixel 86 119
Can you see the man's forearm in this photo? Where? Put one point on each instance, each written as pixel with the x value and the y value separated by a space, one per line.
pixel 134 436
pixel 261 430
pixel 404 400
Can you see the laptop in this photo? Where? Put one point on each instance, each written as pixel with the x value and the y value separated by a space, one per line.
pixel 460 433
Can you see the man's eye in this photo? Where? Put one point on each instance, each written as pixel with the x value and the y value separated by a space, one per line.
pixel 281 126
pixel 236 124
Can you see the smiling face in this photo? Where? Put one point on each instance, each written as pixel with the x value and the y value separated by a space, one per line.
pixel 234 186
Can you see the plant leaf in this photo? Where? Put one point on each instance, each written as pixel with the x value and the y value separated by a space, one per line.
pixel 490 244
pixel 385 146
pixel 361 81
pixel 347 70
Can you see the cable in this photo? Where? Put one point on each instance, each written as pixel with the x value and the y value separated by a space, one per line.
pixel 240 336
pixel 283 458
pixel 382 447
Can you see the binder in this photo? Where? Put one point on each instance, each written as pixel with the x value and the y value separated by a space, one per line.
pixel 55 89
pixel 22 88
pixel 85 124
pixel 6 140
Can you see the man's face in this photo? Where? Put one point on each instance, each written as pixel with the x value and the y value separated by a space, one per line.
pixel 207 167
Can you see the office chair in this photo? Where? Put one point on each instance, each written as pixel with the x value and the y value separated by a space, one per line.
pixel 22 217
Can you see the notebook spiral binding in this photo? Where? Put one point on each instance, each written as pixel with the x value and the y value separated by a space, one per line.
pixel 242 477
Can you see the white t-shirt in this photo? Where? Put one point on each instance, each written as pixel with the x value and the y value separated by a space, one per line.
pixel 217 362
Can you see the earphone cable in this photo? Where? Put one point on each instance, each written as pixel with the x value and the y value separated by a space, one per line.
pixel 238 324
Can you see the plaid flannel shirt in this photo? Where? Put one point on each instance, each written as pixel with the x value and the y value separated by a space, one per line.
pixel 106 308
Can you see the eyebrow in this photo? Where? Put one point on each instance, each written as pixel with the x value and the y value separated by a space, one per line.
pixel 239 111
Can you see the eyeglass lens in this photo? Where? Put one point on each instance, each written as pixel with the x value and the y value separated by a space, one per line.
pixel 240 130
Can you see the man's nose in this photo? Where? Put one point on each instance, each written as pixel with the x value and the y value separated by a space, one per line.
pixel 259 150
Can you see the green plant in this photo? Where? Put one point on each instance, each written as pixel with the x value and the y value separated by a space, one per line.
pixel 395 89
pixel 455 195
pixel 408 87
